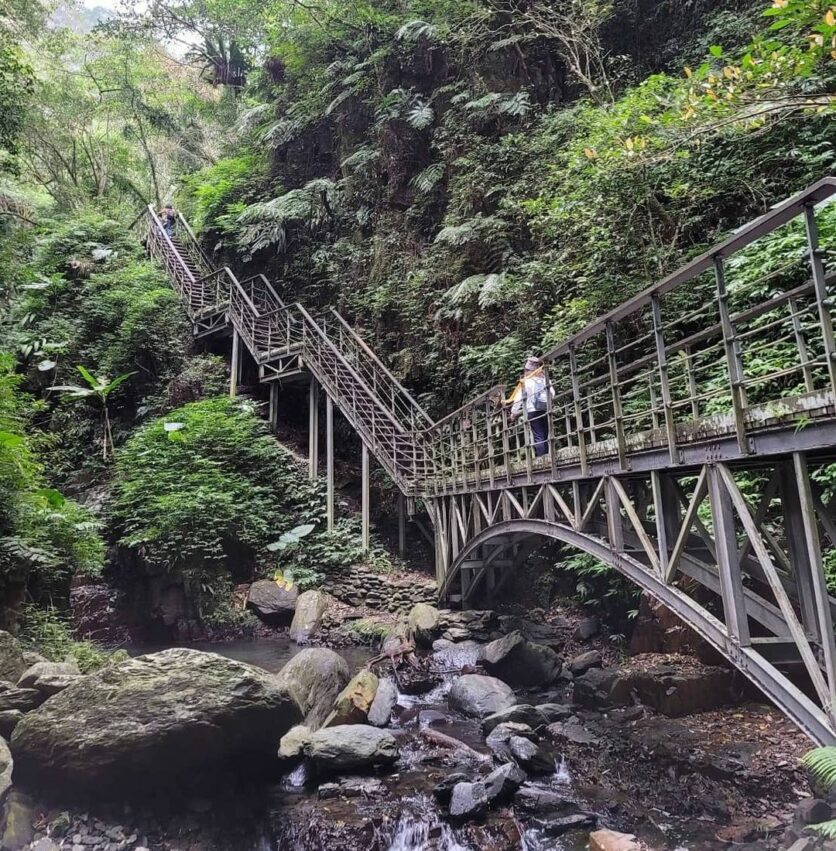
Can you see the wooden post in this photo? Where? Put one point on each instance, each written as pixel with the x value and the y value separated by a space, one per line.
pixel 273 417
pixel 313 430
pixel 365 499
pixel 329 461
pixel 235 369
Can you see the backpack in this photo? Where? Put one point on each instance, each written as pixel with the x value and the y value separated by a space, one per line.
pixel 540 400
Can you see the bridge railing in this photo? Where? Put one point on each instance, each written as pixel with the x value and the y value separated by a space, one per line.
pixel 739 340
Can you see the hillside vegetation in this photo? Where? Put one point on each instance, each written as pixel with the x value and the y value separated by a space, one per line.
pixel 466 181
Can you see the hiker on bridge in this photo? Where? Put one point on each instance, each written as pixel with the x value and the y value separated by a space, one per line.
pixel 168 218
pixel 533 393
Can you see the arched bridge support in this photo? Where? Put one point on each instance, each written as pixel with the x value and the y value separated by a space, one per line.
pixel 736 553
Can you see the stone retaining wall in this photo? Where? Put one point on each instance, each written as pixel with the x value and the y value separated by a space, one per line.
pixel 359 585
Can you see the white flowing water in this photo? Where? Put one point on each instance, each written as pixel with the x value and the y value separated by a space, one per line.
pixel 421 830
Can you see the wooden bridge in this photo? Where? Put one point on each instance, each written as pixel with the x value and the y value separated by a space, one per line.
pixel 690 441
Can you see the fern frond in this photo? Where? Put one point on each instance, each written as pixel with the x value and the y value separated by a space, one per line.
pixel 826 828
pixel 464 290
pixel 456 234
pixel 426 180
pixel 420 116
pixel 822 765
pixel 492 290
pixel 416 30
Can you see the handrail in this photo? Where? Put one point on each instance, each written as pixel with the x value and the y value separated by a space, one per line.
pixel 158 224
pixel 327 340
pixel 362 343
pixel 194 239
pixel 482 397
pixel 267 284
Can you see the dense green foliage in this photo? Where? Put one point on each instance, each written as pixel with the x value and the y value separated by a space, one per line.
pixel 44 538
pixel 437 171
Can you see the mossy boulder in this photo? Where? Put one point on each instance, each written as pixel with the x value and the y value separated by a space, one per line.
pixel 315 677
pixel 150 719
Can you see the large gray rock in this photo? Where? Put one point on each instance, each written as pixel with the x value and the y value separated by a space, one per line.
pixel 424 623
pixel 522 713
pixel 468 800
pixel 350 747
pixel 6 766
pixel 32 674
pixel 502 782
pixel 274 602
pixel 310 607
pixel 520 662
pixel 12 659
pixel 22 699
pixel 293 742
pixel 314 677
pixel 480 696
pixel 150 718
pixel 355 700
pixel 383 703
pixel 49 677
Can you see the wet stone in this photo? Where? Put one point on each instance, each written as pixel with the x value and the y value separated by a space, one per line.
pixel 468 800
pixel 444 790
pixel 568 732
pixel 813 811
pixel 502 782
pixel 553 712
pixel 530 756
pixel 583 662
pixel 563 824
pixel 587 628
pixel 524 713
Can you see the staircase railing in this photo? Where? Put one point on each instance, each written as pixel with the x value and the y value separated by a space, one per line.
pixel 379 409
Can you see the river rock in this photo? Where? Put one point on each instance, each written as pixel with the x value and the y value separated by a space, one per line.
pixel 19 814
pixel 522 713
pixel 497 740
pixel 664 687
pixel 502 782
pixel 424 623
pixel 31 675
pixel 274 601
pixel 30 657
pixel 314 677
pixel 353 787
pixel 609 840
pixel 150 718
pixel 553 711
pixel 443 790
pixel 583 662
pixel 587 628
pixel 519 662
pixel 9 719
pixel 12 660
pixel 530 756
pixel 468 800
pixel 384 702
pixel 350 747
pixel 479 696
pixel 354 701
pixel 292 743
pixel 23 699
pixel 310 607
pixel 6 766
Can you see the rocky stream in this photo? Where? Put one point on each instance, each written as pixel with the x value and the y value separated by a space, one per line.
pixel 461 731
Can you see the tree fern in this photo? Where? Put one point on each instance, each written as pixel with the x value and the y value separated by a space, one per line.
pixel 456 234
pixel 426 180
pixel 822 765
pixel 420 115
pixel 416 30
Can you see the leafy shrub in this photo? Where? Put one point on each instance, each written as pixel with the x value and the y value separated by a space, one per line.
pixel 46 631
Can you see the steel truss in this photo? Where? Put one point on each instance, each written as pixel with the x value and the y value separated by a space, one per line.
pixel 736 554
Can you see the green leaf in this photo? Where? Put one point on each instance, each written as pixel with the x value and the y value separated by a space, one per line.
pixel 54 498
pixel 715 50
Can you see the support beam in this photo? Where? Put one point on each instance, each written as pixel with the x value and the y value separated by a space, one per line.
pixel 273 416
pixel 731 580
pixel 401 525
pixel 365 501
pixel 313 429
pixel 235 368
pixel 329 461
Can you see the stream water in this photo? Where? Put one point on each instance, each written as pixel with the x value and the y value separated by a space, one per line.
pixel 406 816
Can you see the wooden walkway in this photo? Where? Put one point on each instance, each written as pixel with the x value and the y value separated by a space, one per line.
pixel 690 438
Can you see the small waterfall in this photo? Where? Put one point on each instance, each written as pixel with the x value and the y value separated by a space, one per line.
pixel 562 777
pixel 421 830
pixel 296 778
